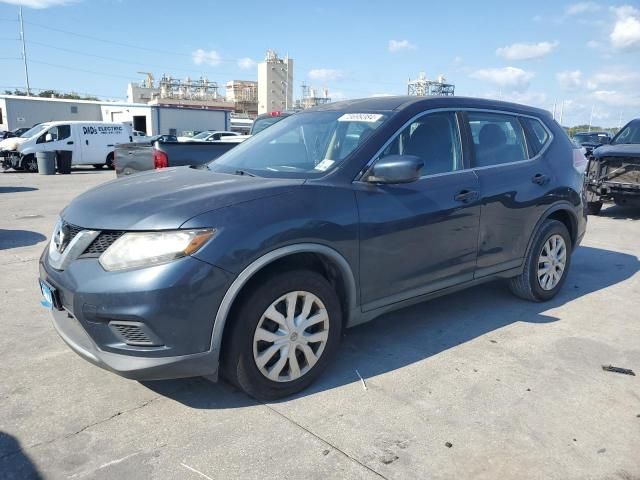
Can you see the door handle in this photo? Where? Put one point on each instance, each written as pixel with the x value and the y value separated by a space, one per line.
pixel 70 143
pixel 540 179
pixel 465 196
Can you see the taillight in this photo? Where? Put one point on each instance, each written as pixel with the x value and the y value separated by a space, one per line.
pixel 579 160
pixel 160 159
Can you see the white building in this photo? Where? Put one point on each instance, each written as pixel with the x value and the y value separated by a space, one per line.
pixel 275 83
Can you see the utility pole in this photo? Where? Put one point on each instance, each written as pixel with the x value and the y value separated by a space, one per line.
pixel 591 118
pixel 561 112
pixel 24 53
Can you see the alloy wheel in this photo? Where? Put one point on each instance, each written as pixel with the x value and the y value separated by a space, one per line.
pixel 291 336
pixel 552 262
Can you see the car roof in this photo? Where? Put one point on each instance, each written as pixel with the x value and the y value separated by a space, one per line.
pixel 394 103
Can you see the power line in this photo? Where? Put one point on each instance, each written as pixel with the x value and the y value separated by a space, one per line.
pixel 66 67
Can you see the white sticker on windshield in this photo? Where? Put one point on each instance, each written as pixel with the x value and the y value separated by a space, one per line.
pixel 360 117
pixel 324 165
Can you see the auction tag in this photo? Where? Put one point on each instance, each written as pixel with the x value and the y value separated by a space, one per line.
pixel 360 117
pixel 324 165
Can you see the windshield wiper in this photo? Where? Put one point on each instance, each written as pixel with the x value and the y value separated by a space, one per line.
pixel 244 172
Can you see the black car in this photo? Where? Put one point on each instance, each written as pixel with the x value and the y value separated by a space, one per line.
pixel 265 120
pixel 331 217
pixel 16 132
pixel 591 140
pixel 613 172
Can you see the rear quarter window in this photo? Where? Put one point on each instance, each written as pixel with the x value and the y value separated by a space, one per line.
pixel 537 135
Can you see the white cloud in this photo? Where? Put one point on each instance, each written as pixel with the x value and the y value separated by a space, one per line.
pixel 324 74
pixel 526 51
pixel 510 78
pixel 626 31
pixel 615 98
pixel 39 4
pixel 202 57
pixel 246 63
pixel 613 77
pixel 594 44
pixel 570 79
pixel 398 45
pixel 582 7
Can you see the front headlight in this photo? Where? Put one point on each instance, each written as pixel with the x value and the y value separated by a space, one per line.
pixel 144 249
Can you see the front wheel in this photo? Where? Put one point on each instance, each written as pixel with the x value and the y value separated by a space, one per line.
pixel 546 264
pixel 284 334
pixel 29 163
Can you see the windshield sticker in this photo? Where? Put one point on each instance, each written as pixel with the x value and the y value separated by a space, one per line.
pixel 324 165
pixel 360 117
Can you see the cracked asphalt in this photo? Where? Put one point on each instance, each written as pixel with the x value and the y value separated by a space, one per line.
pixel 475 385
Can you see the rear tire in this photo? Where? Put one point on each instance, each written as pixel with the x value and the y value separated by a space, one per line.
pixel 294 356
pixel 98 166
pixel 533 285
pixel 593 208
pixel 109 162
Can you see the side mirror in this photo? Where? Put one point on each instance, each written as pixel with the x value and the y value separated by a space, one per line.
pixel 395 169
pixel 48 137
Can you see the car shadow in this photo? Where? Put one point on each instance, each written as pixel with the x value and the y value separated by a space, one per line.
pixel 14 462
pixel 19 238
pixel 401 338
pixel 621 212
pixel 16 189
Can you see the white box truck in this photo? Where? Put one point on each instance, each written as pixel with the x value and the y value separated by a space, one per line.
pixel 90 143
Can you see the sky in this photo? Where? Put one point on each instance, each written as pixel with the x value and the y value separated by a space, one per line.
pixel 582 57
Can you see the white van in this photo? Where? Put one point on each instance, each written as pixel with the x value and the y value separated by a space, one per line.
pixel 90 143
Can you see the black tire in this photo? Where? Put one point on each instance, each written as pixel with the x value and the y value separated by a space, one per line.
pixel 98 166
pixel 109 162
pixel 593 208
pixel 526 285
pixel 29 164
pixel 238 364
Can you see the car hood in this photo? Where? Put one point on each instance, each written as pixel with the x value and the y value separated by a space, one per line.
pixel 12 143
pixel 622 150
pixel 165 199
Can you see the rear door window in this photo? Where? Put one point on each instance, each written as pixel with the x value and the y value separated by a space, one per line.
pixel 497 139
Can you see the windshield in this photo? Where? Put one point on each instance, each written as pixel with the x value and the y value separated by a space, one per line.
pixel 304 145
pixel 629 134
pixel 262 123
pixel 32 132
pixel 201 136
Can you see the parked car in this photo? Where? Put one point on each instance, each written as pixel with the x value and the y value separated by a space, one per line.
pixel 591 140
pixel 139 137
pixel 130 158
pixel 162 138
pixel 16 132
pixel 613 172
pixel 208 136
pixel 91 143
pixel 333 216
pixel 261 122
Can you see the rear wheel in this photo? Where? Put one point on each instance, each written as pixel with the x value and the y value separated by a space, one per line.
pixel 593 208
pixel 29 163
pixel 109 162
pixel 98 166
pixel 284 334
pixel 546 265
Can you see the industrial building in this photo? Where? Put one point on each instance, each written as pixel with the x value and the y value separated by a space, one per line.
pixel 162 116
pixel 423 87
pixel 243 94
pixel 275 83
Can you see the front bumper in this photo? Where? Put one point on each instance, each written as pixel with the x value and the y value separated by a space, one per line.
pixel 169 308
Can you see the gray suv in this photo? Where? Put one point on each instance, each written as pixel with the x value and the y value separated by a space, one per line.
pixel 253 266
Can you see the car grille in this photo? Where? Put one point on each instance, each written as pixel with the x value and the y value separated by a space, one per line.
pixel 100 244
